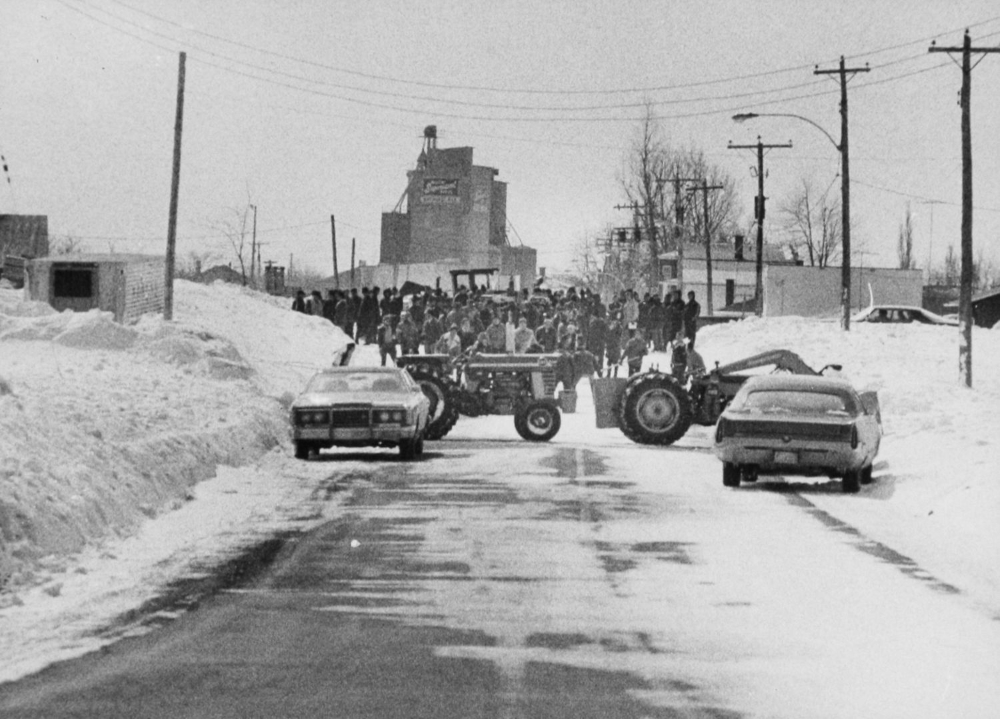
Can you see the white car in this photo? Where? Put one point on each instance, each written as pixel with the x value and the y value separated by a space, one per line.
pixel 797 424
pixel 360 407
pixel 902 314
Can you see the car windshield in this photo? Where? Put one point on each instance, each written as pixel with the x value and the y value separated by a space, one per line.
pixel 355 382
pixel 795 402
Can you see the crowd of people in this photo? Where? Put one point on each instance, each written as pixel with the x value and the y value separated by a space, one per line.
pixel 432 322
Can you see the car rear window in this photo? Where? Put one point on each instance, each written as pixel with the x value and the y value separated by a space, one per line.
pixel 795 402
pixel 356 382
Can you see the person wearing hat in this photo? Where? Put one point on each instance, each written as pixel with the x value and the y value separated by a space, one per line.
pixel 635 350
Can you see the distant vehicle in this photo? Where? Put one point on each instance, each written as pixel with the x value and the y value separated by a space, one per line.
pixel 360 407
pixel 799 424
pixel 902 314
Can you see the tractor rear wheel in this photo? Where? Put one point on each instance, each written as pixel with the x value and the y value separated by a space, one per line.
pixel 538 421
pixel 443 412
pixel 655 409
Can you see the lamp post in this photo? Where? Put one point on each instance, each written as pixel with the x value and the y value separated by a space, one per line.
pixel 845 201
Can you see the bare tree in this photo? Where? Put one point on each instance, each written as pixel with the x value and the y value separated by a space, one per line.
pixel 65 245
pixel 904 243
pixel 237 228
pixel 663 212
pixel 813 225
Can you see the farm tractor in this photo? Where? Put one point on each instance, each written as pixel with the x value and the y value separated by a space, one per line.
pixel 650 407
pixel 655 407
pixel 478 384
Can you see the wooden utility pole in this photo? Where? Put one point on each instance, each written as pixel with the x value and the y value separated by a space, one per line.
pixel 253 245
pixel 965 288
pixel 352 263
pixel 333 235
pixel 704 189
pixel 676 180
pixel 758 215
pixel 845 191
pixel 168 289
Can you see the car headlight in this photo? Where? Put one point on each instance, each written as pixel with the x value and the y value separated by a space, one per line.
pixel 308 417
pixel 390 416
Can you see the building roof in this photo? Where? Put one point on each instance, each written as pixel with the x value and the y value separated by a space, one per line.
pixel 97 258
pixel 726 252
pixel 988 294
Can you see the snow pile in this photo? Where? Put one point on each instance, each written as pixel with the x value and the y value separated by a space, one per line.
pixel 104 425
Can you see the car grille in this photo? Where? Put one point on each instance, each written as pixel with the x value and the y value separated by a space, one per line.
pixel 351 416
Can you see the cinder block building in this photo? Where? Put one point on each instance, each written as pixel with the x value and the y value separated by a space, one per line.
pixel 126 285
pixel 455 216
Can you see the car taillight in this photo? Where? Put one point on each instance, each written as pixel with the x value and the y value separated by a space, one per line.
pixel 720 430
pixel 854 436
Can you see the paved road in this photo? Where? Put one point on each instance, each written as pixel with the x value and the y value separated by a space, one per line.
pixel 502 579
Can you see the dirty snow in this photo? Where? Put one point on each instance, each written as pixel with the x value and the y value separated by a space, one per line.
pixel 133 455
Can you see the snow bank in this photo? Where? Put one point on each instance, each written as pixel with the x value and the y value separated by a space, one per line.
pixel 104 425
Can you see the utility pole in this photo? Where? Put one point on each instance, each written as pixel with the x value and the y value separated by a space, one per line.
pixel 352 263
pixel 704 189
pixel 676 180
pixel 253 245
pixel 168 289
pixel 965 289
pixel 333 233
pixel 758 214
pixel 845 190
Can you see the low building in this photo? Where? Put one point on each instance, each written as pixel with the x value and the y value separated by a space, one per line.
pixel 128 286
pixel 986 308
pixel 22 238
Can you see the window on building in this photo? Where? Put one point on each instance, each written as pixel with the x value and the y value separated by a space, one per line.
pixel 73 282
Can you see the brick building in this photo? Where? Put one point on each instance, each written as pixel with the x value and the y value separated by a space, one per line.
pixel 128 286
pixel 455 216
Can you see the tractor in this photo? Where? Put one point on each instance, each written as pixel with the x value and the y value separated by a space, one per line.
pixel 655 407
pixel 479 384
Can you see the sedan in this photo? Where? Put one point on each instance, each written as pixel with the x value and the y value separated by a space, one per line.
pixel 902 314
pixel 798 424
pixel 360 407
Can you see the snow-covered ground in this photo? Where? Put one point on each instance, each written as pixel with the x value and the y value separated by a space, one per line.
pixel 133 455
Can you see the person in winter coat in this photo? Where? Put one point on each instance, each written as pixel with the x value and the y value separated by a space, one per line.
pixel 613 342
pixel 315 303
pixel 450 343
pixel 689 317
pixel 299 303
pixel 524 337
pixel 343 315
pixel 545 335
pixel 596 339
pixel 368 315
pixel 431 332
pixel 386 339
pixel 409 335
pixel 635 350
pixel 497 336
pixel 567 337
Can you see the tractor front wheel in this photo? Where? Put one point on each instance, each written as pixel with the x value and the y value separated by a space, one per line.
pixel 655 409
pixel 538 421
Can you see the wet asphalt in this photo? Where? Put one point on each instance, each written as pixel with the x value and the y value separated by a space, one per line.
pixel 491 579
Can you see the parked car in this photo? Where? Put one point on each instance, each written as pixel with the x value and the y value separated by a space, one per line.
pixel 360 407
pixel 903 314
pixel 798 424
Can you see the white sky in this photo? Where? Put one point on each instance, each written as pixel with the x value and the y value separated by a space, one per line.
pixel 316 108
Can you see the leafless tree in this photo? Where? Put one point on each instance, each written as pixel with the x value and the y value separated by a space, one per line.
pixel 237 228
pixel 663 211
pixel 65 245
pixel 812 224
pixel 904 243
pixel 951 267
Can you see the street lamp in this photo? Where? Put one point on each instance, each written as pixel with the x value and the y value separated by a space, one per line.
pixel 845 202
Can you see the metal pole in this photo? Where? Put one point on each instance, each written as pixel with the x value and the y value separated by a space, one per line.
pixel 168 289
pixel 845 205
pixel 759 286
pixel 333 233
pixel 253 246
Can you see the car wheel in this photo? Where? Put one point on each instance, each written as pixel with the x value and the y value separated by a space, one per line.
pixel 731 474
pixel 655 409
pixel 851 483
pixel 866 475
pixel 419 447
pixel 302 450
pixel 443 412
pixel 407 449
pixel 538 421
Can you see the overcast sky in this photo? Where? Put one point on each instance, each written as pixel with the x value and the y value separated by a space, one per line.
pixel 309 108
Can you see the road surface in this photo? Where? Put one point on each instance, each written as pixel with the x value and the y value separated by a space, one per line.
pixel 508 579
